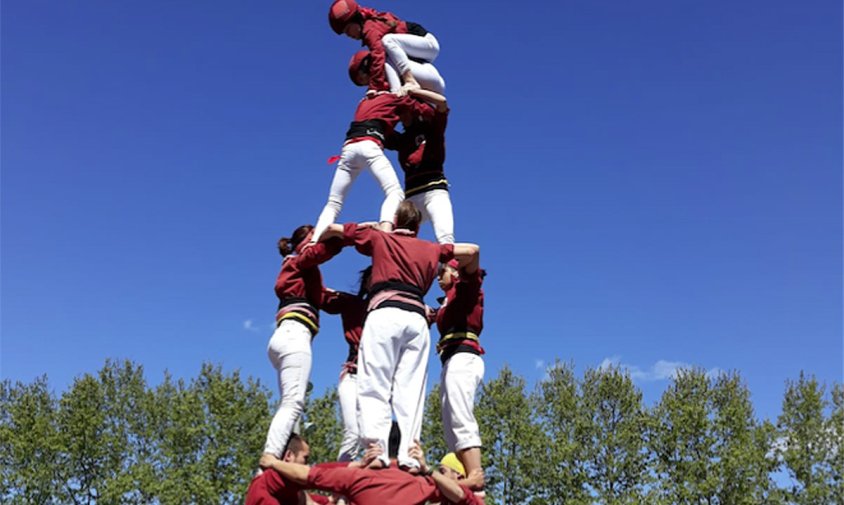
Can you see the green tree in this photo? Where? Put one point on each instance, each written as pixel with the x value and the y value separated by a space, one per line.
pixel 28 443
pixel 806 447
pixel 126 434
pixel 612 435
pixel 511 439
pixel 741 464
pixel 236 417
pixel 561 476
pixel 323 426
pixel 178 417
pixel 835 429
pixel 433 437
pixel 681 439
pixel 87 450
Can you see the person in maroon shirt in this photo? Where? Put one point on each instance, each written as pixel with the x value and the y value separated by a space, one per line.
pixel 299 291
pixel 375 120
pixel 421 154
pixel 460 322
pixel 426 74
pixel 352 311
pixel 270 488
pixel 393 358
pixel 386 36
pixel 365 486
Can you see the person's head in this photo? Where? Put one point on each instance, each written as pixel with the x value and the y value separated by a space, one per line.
pixel 365 276
pixel 449 274
pixel 408 216
pixel 359 67
pixel 297 450
pixel 345 18
pixel 286 245
pixel 451 467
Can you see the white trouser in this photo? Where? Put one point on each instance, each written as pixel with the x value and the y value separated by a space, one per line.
pixel 399 46
pixel 435 206
pixel 347 391
pixel 392 361
pixel 355 157
pixel 289 351
pixel 459 380
pixel 425 74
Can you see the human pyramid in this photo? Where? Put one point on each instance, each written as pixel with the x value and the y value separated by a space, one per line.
pixel 386 323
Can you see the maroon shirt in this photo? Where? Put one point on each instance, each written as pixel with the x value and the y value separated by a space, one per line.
pixel 375 26
pixel 270 488
pixel 462 311
pixel 399 256
pixel 377 487
pixel 421 153
pixel 352 310
pixel 386 109
pixel 300 277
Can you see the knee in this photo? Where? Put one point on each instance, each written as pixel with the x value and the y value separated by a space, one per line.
pixel 335 203
pixel 296 405
pixel 389 41
pixel 393 189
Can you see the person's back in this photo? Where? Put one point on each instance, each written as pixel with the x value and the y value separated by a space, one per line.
pixel 370 487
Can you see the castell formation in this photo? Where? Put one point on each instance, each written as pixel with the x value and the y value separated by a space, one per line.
pixel 386 322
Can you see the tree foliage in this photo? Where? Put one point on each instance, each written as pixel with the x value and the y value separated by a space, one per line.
pixel 113 439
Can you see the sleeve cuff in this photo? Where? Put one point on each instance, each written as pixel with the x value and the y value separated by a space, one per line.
pixel 349 233
pixel 446 253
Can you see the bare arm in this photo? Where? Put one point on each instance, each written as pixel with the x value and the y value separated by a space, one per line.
pixel 468 257
pixel 333 231
pixel 449 488
pixel 293 471
pixel 431 96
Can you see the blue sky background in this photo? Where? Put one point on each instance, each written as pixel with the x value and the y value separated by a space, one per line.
pixel 652 183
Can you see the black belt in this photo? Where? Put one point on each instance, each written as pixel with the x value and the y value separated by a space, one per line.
pixel 369 128
pixel 416 29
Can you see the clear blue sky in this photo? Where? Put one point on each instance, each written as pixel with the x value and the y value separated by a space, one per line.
pixel 651 183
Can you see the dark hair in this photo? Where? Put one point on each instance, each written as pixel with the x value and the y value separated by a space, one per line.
pixel 365 274
pixel 288 245
pixel 295 444
pixel 393 441
pixel 408 216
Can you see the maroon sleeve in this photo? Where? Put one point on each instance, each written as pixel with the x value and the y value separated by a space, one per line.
pixel 335 302
pixel 319 253
pixel 373 30
pixel 421 110
pixel 360 237
pixel 328 477
pixel 465 299
pixel 446 253
pixel 469 497
pixel 435 139
pixel 274 482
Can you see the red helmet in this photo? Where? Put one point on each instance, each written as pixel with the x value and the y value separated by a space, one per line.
pixel 340 13
pixel 360 61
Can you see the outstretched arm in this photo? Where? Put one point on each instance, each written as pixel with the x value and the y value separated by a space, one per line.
pixel 468 256
pixel 293 471
pixel 435 98
pixel 449 488
pixel 334 230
